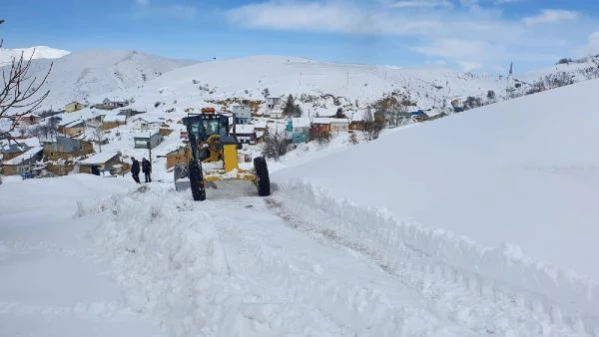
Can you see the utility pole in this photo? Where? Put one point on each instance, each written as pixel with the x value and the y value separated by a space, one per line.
pixel 150 145
pixel 385 75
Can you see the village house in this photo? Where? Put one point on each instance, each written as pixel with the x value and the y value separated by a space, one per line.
pixel 260 128
pixel 62 152
pixel 12 150
pixel 72 128
pixel 300 129
pixel 181 155
pixel 107 104
pixel 140 123
pixel 245 134
pixel 101 162
pixel 243 114
pixel 112 121
pixel 276 114
pixel 320 127
pixel 273 102
pixel 128 113
pixel 73 106
pixel 67 148
pixel 339 125
pixel 23 162
pixel 165 130
pixel 149 141
pixel 356 124
pixel 29 119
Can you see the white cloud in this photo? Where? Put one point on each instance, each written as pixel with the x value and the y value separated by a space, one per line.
pixel 469 31
pixel 551 16
pixel 593 44
pixel 142 2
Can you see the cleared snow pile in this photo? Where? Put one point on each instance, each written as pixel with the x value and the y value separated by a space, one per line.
pixel 491 193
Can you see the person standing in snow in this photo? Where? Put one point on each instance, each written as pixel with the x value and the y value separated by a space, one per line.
pixel 135 170
pixel 146 167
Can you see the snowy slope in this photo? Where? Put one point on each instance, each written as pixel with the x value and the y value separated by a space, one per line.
pixel 39 52
pixel 354 85
pixel 83 74
pixel 519 178
pixel 322 87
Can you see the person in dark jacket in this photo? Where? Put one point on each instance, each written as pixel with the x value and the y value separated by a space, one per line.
pixel 146 167
pixel 135 170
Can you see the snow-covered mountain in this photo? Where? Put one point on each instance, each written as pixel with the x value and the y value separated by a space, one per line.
pixel 83 74
pixel 39 52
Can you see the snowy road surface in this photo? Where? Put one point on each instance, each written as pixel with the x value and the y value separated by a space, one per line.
pixel 152 262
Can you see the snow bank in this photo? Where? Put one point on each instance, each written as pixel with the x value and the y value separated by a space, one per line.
pixel 218 269
pixel 521 174
pixel 501 269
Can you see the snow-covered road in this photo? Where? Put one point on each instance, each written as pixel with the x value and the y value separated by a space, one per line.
pixel 236 265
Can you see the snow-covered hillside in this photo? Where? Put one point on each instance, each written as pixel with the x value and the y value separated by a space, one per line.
pixel 39 52
pixel 84 74
pixel 509 189
pixel 324 86
pixel 321 88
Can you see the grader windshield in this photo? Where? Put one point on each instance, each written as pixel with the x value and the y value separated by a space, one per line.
pixel 201 127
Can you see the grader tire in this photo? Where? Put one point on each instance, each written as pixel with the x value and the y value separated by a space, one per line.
pixel 263 179
pixel 196 181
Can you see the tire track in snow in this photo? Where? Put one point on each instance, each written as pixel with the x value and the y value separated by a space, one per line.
pixel 461 298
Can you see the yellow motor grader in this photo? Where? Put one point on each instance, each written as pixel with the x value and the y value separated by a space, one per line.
pixel 214 151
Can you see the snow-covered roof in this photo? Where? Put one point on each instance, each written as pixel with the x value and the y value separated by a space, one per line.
pixel 321 120
pixel 99 158
pixel 31 142
pixel 301 122
pixel 339 121
pixel 115 118
pixel 244 128
pixel 11 148
pixel 72 123
pixel 30 153
pixel 260 124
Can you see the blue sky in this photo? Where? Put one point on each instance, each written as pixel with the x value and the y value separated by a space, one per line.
pixel 484 35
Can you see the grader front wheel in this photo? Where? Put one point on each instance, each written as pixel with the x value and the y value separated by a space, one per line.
pixel 196 181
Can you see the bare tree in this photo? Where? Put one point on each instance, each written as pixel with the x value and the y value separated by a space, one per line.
pixel 20 90
pixel 372 126
pixel 97 134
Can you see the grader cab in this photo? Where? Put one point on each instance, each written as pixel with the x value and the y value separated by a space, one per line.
pixel 215 156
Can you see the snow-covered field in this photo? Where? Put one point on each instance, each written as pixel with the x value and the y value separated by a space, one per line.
pixel 507 192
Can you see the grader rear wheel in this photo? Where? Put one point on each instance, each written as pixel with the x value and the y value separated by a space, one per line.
pixel 263 179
